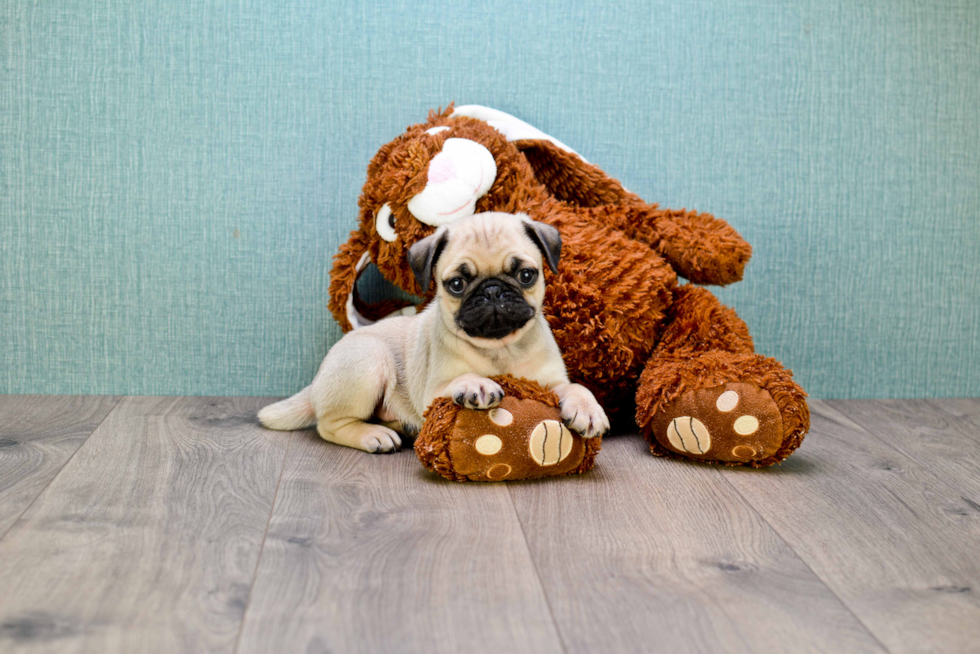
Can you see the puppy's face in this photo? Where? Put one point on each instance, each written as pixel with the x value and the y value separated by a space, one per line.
pixel 488 272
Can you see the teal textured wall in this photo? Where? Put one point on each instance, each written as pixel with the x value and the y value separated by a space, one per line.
pixel 175 176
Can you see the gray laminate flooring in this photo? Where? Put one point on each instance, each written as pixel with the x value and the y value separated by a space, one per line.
pixel 141 524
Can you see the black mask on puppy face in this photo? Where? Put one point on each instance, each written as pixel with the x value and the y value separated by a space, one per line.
pixel 494 309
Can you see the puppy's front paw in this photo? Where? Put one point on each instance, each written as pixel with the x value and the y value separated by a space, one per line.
pixel 582 413
pixel 477 393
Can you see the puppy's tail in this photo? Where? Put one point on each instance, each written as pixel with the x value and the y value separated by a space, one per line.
pixel 294 412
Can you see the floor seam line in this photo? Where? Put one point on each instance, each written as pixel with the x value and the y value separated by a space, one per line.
pixel 537 573
pixel 265 535
pixel 63 466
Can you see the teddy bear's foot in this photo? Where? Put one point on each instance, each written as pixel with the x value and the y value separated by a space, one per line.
pixel 735 422
pixel 721 407
pixel 522 438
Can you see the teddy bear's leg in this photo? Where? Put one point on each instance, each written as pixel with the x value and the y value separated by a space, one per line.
pixel 706 395
pixel 522 438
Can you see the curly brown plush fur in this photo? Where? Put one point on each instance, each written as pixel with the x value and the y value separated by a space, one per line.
pixel 626 327
pixel 435 443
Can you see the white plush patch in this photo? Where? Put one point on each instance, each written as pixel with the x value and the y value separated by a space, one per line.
pixel 458 176
pixel 727 401
pixel 550 443
pixel 488 444
pixel 501 417
pixel 746 425
pixel 436 130
pixel 354 316
pixel 689 434
pixel 514 129
pixel 385 224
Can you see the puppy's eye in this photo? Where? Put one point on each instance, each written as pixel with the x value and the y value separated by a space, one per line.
pixel 527 276
pixel 384 222
pixel 456 285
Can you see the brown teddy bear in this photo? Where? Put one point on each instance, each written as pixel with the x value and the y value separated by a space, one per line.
pixel 627 329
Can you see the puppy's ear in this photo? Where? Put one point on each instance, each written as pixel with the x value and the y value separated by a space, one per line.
pixel 423 256
pixel 548 240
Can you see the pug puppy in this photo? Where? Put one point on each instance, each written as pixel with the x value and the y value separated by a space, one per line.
pixel 375 384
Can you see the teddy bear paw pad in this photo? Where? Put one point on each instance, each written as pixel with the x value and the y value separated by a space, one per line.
pixel 736 422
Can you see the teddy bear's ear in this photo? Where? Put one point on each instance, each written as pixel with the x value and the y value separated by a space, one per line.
pixel 514 129
pixel 563 171
pixel 571 179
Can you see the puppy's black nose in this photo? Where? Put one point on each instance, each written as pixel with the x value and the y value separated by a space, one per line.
pixel 493 290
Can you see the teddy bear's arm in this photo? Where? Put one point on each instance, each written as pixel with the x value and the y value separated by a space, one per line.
pixel 343 276
pixel 345 305
pixel 700 247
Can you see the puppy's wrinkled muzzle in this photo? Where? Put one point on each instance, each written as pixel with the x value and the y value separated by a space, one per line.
pixel 494 310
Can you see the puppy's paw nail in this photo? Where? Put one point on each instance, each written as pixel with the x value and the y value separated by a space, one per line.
pixel 478 394
pixel 380 440
pixel 586 424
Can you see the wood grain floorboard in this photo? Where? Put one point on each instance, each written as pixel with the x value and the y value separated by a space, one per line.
pixel 649 554
pixel 965 410
pixel 148 540
pixel 965 421
pixel 896 542
pixel 941 435
pixel 147 536
pixel 371 553
pixel 38 434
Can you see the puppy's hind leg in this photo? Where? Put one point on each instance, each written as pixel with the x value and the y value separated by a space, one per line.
pixel 345 394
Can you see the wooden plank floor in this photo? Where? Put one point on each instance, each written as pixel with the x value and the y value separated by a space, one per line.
pixel 179 525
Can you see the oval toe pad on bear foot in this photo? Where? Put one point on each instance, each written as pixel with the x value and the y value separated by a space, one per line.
pixel 735 423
